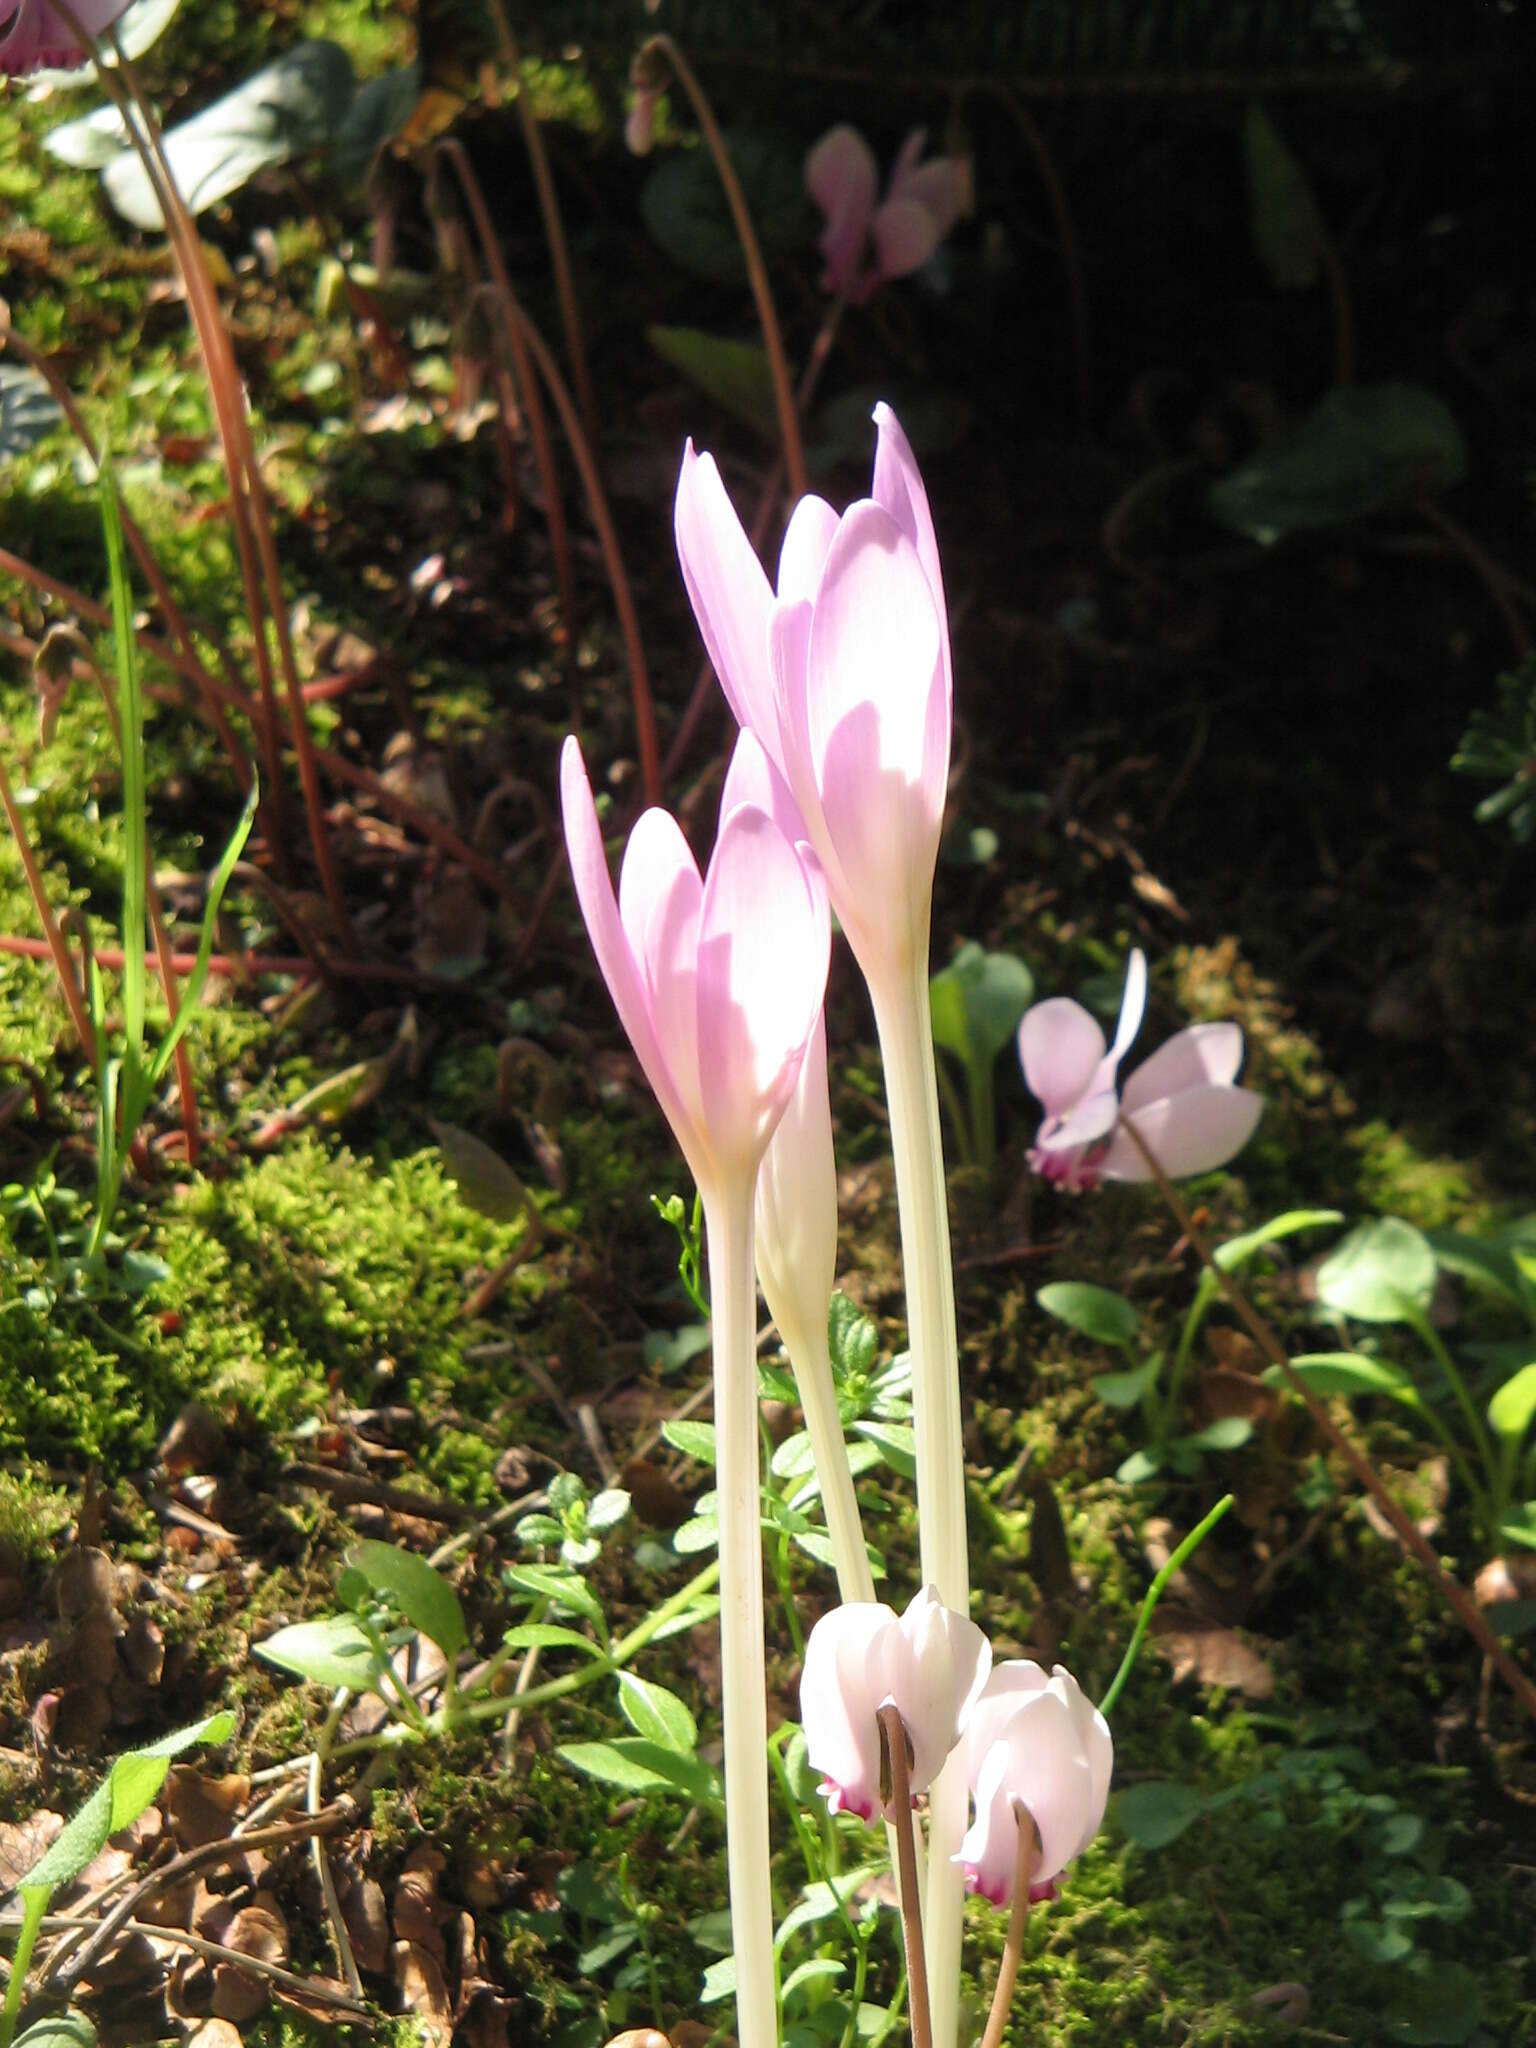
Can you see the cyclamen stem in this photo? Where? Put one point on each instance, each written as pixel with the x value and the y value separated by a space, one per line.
pixel 903 1021
pixel 1018 1920
pixel 728 1229
pixel 894 1739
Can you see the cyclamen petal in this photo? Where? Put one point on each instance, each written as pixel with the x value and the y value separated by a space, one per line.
pixel 922 203
pixel 1060 1047
pixel 36 36
pixel 1192 1132
pixel 1037 1743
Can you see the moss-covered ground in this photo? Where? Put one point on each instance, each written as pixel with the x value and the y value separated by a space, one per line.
pixel 1206 755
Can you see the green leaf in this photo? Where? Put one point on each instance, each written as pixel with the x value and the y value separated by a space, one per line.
pixel 61 2030
pixel 733 373
pixel 607 1509
pixel 607 1949
pixel 28 409
pixel 1125 1389
pixel 814 1970
pixel 285 110
pixel 1491 1267
pixel 1379 1941
pixel 896 1443
pixel 1520 1526
pixel 549 1635
pixel 1227 1433
pixel 700 1532
pixel 129 1787
pixel 719 1981
pixel 1513 1407
pixel 562 1589
pixel 684 206
pixel 422 1595
pixel 484 1180
pixel 380 109
pixel 976 1003
pixel 1365 447
pixel 332 1653
pixel 1155 1814
pixel 634 1764
pixel 1140 1465
pixel 1237 1251
pixel 1107 1318
pixel 1349 1372
pixel 1440 2007
pixel 1283 216
pixel 693 1439
pixel 669 1352
pixel 1383 1272
pixel 657 1714
pixel 91 143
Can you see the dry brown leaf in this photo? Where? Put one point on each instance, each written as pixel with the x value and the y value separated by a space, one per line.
pixel 81 1717
pixel 200 1808
pixel 216 2034
pixel 364 1914
pixel 22 1842
pixel 483 2021
pixel 193 1443
pixel 1211 1654
pixel 419 1913
pixel 423 1994
pixel 257 1930
pixel 1235 1350
pixel 1225 1392
pixel 142 1650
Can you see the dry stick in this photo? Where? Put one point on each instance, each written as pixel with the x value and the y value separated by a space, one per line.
pixel 757 270
pixel 1408 1533
pixel 240 454
pixel 1018 1920
pixel 314 1804
pixel 893 1737
pixel 189 663
pixel 516 322
pixel 554 226
pixel 302 1987
pixel 1066 238
pixel 57 951
pixel 821 349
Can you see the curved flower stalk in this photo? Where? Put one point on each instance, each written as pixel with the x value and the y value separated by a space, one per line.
pixel 40 37
pixel 922 203
pixel 1183 1101
pixel 930 1664
pixel 843 674
pixel 1035 1747
pixel 719 983
pixel 796 1225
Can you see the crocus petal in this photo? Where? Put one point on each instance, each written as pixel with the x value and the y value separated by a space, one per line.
pixel 842 177
pixel 796 1238
pixel 842 1686
pixel 764 939
pixel 626 978
pixel 753 779
pixel 659 901
pixel 898 486
pixel 1193 1132
pixel 1060 1047
pixel 807 542
pixel 729 592
pixel 905 235
pixel 1201 1056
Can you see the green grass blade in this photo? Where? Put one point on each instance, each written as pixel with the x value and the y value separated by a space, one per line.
pixel 192 988
pixel 130 705
pixel 1186 1550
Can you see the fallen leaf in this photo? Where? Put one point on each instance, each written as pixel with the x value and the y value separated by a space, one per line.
pixel 257 1930
pixel 423 1994
pixel 1210 1654
pixel 216 2034
pixel 193 1443
pixel 22 1842
pixel 200 1808
pixel 418 1912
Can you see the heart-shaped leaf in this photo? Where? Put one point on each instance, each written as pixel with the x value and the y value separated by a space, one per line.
pixel 1107 1318
pixel 1383 1272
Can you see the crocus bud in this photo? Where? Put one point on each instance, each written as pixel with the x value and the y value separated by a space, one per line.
pixel 930 1664
pixel 36 36
pixel 1034 1743
pixel 1182 1102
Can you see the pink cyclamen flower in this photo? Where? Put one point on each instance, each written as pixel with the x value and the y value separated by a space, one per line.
pixel 930 1664
pixel 1032 1742
pixel 1183 1101
pixel 844 676
pixel 922 203
pixel 718 981
pixel 35 36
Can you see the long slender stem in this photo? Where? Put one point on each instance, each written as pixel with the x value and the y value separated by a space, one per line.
pixel 738 1476
pixel 63 965
pixel 757 270
pixel 811 1363
pixel 904 1022
pixel 1408 1533
pixel 894 1737
pixel 1018 1920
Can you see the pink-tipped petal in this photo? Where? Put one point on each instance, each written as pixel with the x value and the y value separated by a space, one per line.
pixel 842 1686
pixel 729 592
pixel 807 542
pixel 1060 1047
pixel 626 978
pixel 842 177
pixel 1194 1132
pixel 764 939
pixel 1205 1055
pixel 753 779
pixel 905 236
pixel 898 486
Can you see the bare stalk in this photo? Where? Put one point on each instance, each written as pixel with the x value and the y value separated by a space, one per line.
pixel 1018 1920
pixel 893 1741
pixel 58 952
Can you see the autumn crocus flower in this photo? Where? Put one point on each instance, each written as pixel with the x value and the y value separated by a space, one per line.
pixel 719 983
pixel 930 1664
pixel 34 35
pixel 1183 1102
pixel 843 674
pixel 1035 1747
pixel 922 203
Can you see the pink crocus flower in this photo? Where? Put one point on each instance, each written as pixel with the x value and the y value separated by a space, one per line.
pixel 1034 1743
pixel 844 676
pixel 930 1664
pixel 717 980
pixel 1183 1101
pixel 922 203
pixel 35 36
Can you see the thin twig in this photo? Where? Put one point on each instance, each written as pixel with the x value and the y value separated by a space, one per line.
pixel 314 1804
pixel 54 947
pixel 1407 1530
pixel 313 1988
pixel 893 1737
pixel 1018 1920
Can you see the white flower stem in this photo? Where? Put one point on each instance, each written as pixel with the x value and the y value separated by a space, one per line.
pixel 904 1022
pixel 811 1361
pixel 743 1681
